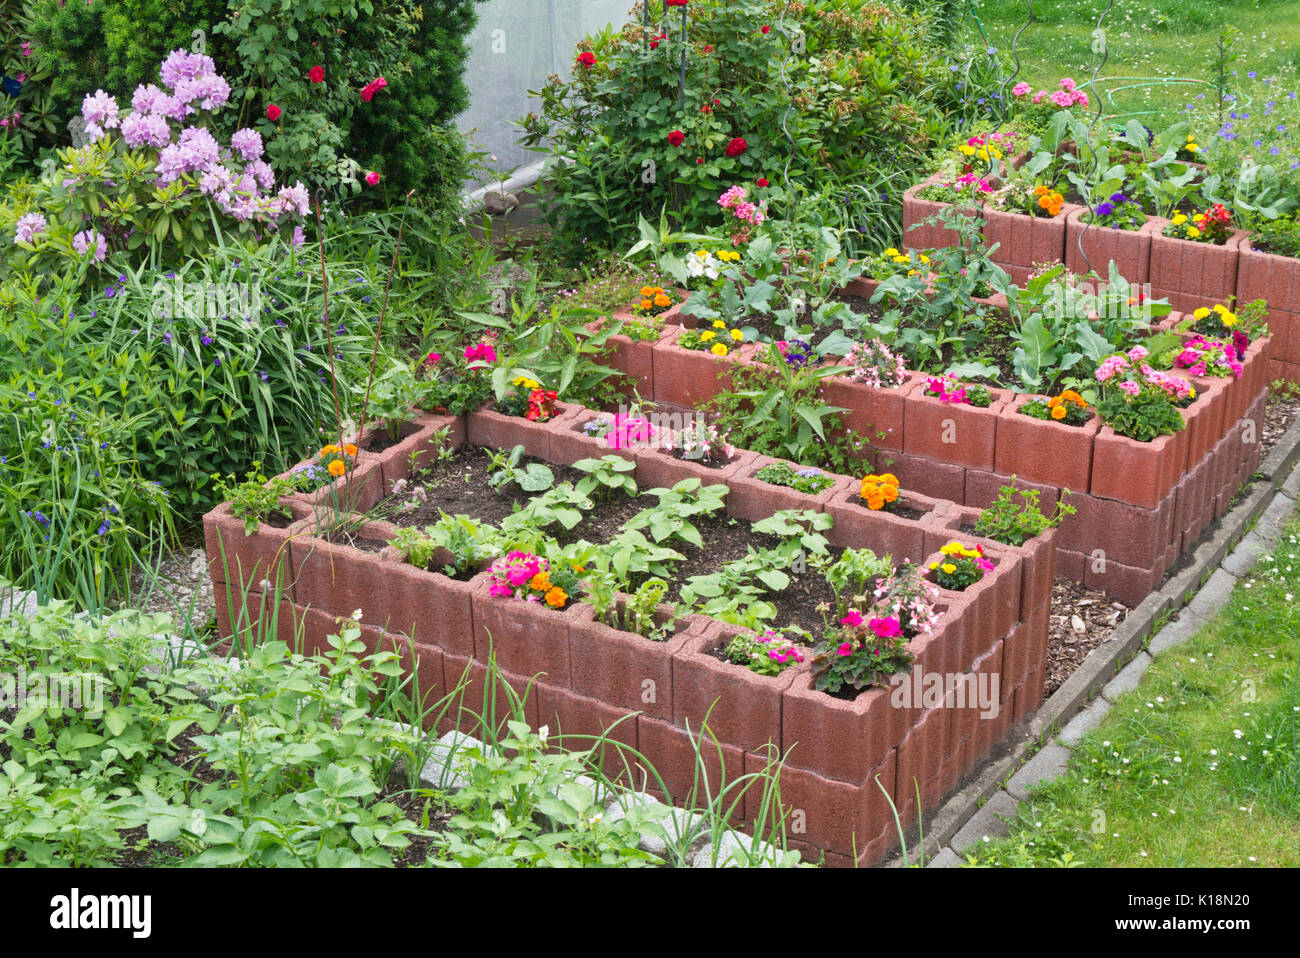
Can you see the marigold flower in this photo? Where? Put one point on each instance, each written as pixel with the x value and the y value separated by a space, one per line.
pixel 1058 412
pixel 719 349
pixel 948 567
pixel 646 304
pixel 661 300
pixel 556 597
pixel 540 582
pixel 337 467
pixel 349 449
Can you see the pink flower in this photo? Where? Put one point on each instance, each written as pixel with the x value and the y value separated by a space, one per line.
pixel 433 358
pixel 1021 89
pixel 1067 84
pixel 1062 99
pixel 1138 353
pixel 845 649
pixel 885 628
pixel 372 178
pixel 853 619
pixel 1130 387
pixel 1040 96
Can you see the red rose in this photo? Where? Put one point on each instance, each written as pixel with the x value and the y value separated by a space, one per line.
pixel 654 44
pixel 272 112
pixel 676 137
pixel 699 161
pixel 372 178
pixel 764 29
pixel 674 3
pixel 367 93
pixel 706 109
pixel 737 146
pixel 762 181
pixel 317 74
pixel 708 49
pixel 587 59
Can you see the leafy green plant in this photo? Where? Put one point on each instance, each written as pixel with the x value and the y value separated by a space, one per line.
pixel 670 518
pixel 469 542
pixel 256 498
pixel 767 652
pixel 1014 517
pixel 504 468
pixel 605 476
pixel 809 480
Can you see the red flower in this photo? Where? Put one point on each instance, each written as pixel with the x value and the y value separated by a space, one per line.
pixel 272 112
pixel 737 146
pixel 676 137
pixel 762 181
pixel 674 3
pixel 699 161
pixel 708 49
pixel 764 29
pixel 706 109
pixel 372 178
pixel 317 74
pixel 587 59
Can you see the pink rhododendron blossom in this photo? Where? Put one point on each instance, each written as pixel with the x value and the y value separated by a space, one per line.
pixel 29 227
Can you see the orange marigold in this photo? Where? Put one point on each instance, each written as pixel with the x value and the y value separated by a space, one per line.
pixel 540 582
pixel 1058 411
pixel 337 468
pixel 556 597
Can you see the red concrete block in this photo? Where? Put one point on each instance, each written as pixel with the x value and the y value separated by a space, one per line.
pixel 1129 249
pixel 478 705
pixel 955 433
pixel 983 489
pixel 883 532
pixel 623 669
pixel 1124 533
pixel 922 754
pixel 1043 451
pixel 427 606
pixel 252 615
pixel 752 498
pixel 356 491
pixel 577 723
pixel 691 377
pixel 338 578
pixel 1124 583
pixel 493 430
pixel 835 816
pixel 842 739
pixel 876 415
pixel 526 638
pixel 1025 240
pixel 915 210
pixel 939 480
pixel 1204 418
pixel 994 599
pixel 246 561
pixel 418 447
pixel 740 707
pixel 1026 648
pixel 1029 696
pixel 656 469
pixel 1141 473
pixel 1194 506
pixel 672 753
pixel 569 444
pixel 1190 274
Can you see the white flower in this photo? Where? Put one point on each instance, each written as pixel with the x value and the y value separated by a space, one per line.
pixel 542 732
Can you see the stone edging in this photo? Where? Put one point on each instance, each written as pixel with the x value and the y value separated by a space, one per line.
pixel 1115 666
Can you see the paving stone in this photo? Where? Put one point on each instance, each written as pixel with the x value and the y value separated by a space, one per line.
pixel 1045 765
pixel 1246 554
pixel 1083 723
pixel 736 851
pixel 1128 677
pixel 991 820
pixel 674 825
pixel 1176 632
pixel 947 858
pixel 1214 595
pixel 447 760
pixel 1275 518
pixel 1292 485
pixel 17 603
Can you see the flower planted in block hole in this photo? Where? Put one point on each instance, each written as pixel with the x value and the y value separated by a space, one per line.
pixel 1212 226
pixel 875 365
pixel 717 338
pixel 1068 408
pixel 948 388
pixel 527 398
pixel 767 652
pixel 620 431
pixel 877 610
pixel 699 442
pixel 522 575
pixel 1140 402
pixel 334 460
pixel 879 492
pixel 810 480
pixel 960 567
pixel 654 301
pixel 1206 357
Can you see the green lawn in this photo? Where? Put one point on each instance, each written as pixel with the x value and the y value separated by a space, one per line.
pixel 1147 40
pixel 1198 766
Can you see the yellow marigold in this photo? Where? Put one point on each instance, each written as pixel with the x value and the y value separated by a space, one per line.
pixel 900 259
pixel 707 335
pixel 889 492
pixel 1040 190
pixel 948 567
pixel 556 597
pixel 1199 217
pixel 337 467
pixel 924 258
pixel 890 252
pixel 953 548
pixel 1193 232
pixel 889 477
pixel 1058 411
pixel 1179 219
pixel 719 349
pixel 934 565
pixel 661 300
pixel 1071 396
pixel 737 335
pixel 1201 313
pixel 719 324
pixel 1229 319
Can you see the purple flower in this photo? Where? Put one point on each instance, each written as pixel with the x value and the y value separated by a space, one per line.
pixel 1105 209
pixel 146 129
pixel 29 227
pixel 99 110
pixel 86 239
pixel 247 143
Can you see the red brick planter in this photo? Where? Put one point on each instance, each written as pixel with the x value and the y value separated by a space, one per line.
pixel 624 669
pixel 339 579
pixel 993 602
pixel 1275 279
pixel 743 707
pixel 656 469
pixel 427 606
pixel 1130 249
pixel 914 211
pixel 691 377
pixel 871 412
pixel 1040 450
pixel 1141 473
pixel 569 443
pixel 634 356
pixel 858 527
pixel 246 561
pixel 1191 274
pixel 1024 240
pixel 752 498
pixel 1204 417
pixel 956 433
pixel 527 638
pixel 487 427
pixel 355 491
pixel 838 738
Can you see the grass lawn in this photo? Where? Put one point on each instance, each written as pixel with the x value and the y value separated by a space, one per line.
pixel 1198 766
pixel 1147 40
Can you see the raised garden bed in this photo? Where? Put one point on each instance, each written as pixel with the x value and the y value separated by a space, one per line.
pixel 594 674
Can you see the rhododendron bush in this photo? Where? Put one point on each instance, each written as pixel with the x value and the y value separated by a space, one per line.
pixel 154 175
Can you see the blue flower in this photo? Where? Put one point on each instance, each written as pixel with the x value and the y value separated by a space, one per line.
pixel 103 528
pixel 1105 209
